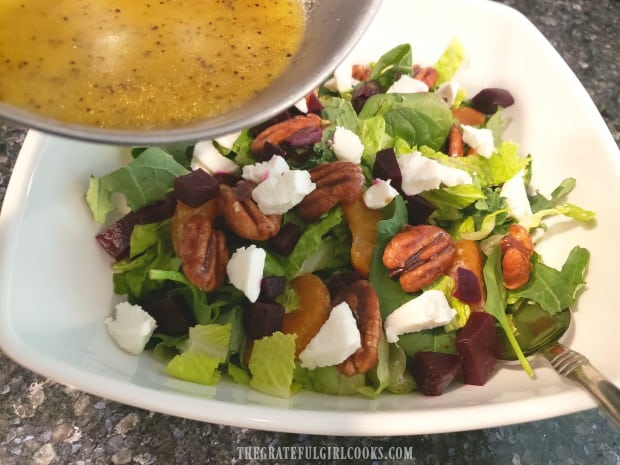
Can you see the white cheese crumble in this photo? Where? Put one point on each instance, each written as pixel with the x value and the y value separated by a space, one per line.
pixel 337 339
pixel 258 172
pixel 407 85
pixel 428 310
pixel 228 140
pixel 447 91
pixel 515 194
pixel 342 80
pixel 278 194
pixel 207 157
pixel 347 146
pixel 379 194
pixel 130 327
pixel 245 270
pixel 480 139
pixel 420 174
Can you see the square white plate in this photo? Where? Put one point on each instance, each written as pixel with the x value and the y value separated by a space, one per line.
pixel 55 282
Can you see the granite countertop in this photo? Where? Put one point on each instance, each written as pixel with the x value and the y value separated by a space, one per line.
pixel 42 422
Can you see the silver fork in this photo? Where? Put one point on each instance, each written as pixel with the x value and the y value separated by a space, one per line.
pixel 578 368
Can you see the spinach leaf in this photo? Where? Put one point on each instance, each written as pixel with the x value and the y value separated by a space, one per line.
pixel 555 290
pixel 418 119
pixel 389 292
pixel 496 303
pixel 391 65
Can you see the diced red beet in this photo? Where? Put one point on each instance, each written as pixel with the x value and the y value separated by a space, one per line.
pixel 468 288
pixel 173 315
pixel 285 241
pixel 386 167
pixel 115 238
pixel 433 372
pixel 418 209
pixel 340 281
pixel 262 318
pixel 490 99
pixel 314 104
pixel 196 187
pixel 229 179
pixel 478 344
pixel 269 150
pixel 157 211
pixel 362 93
pixel 271 287
pixel 243 190
pixel 305 136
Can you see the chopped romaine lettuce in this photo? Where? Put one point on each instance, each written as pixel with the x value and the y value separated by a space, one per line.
pixel 272 364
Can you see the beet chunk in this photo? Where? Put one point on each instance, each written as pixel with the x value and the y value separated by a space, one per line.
pixel 434 371
pixel 339 281
pixel 362 93
pixel 314 104
pixel 285 241
pixel 115 238
pixel 418 209
pixel 269 150
pixel 478 344
pixel 490 99
pixel 173 315
pixel 467 286
pixel 271 287
pixel 262 319
pixel 386 167
pixel 195 188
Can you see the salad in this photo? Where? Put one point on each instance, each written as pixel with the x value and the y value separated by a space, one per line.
pixel 376 237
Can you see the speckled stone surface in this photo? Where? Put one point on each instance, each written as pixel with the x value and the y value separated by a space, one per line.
pixel 43 423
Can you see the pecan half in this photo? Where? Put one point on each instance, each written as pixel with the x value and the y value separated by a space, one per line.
pixel 456 147
pixel 242 214
pixel 427 75
pixel 360 72
pixel 201 248
pixel 364 303
pixel 418 256
pixel 517 249
pixel 337 182
pixel 284 129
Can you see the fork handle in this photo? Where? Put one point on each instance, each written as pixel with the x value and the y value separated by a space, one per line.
pixel 578 368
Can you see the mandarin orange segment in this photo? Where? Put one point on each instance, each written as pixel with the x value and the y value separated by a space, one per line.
pixel 469 116
pixel 362 223
pixel 313 311
pixel 470 257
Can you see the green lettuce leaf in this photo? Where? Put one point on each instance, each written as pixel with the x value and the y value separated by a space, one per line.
pixel 98 200
pixel 207 348
pixel 272 364
pixel 555 290
pixel 150 248
pixel 145 180
pixel 391 65
pixel 493 171
pixel 329 380
pixel 497 301
pixel 419 119
pixel 324 244
pixel 389 292
pixel 340 112
pixel 450 61
pixel 429 340
pixel 372 134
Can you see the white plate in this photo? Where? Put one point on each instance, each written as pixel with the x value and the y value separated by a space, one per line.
pixel 55 282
